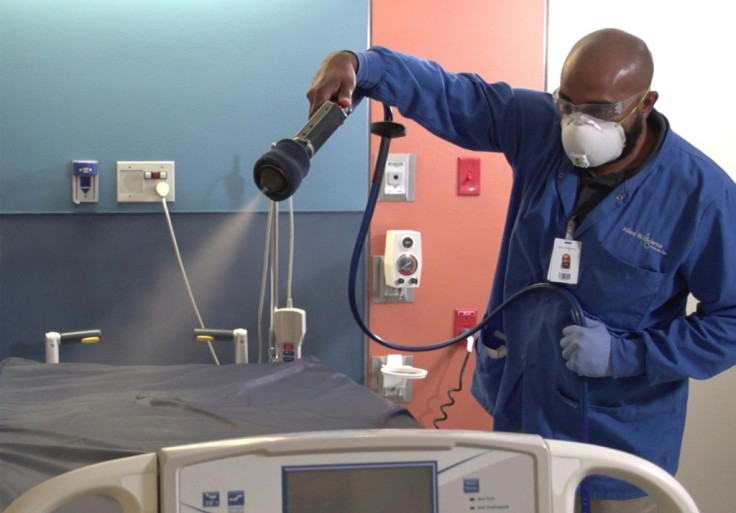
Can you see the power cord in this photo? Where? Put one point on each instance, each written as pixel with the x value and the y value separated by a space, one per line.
pixel 269 273
pixel 264 281
pixel 163 190
pixel 459 388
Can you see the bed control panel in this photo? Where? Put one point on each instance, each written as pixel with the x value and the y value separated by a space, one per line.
pixel 316 474
pixel 395 471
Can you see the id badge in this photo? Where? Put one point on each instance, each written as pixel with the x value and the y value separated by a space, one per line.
pixel 565 262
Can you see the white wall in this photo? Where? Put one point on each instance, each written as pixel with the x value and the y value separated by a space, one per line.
pixel 692 44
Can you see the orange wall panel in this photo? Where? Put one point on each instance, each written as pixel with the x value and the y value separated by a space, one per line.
pixel 501 41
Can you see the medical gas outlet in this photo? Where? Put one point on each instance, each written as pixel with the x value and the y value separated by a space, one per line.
pixel 137 181
pixel 398 178
pixel 85 185
pixel 402 259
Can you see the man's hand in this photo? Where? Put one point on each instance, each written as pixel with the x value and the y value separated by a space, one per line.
pixel 334 81
pixel 587 350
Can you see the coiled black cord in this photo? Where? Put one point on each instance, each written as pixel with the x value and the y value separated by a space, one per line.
pixel 452 391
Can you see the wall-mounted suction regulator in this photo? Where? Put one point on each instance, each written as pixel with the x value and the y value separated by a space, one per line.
pixel 402 259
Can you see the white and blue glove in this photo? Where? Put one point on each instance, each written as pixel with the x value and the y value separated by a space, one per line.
pixel 587 350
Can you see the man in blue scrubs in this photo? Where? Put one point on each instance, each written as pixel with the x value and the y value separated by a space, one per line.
pixel 608 203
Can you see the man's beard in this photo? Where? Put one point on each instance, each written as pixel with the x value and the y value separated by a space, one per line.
pixel 631 137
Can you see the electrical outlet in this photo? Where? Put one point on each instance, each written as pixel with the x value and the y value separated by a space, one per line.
pixel 465 319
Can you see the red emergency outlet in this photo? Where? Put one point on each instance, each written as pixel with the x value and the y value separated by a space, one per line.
pixel 465 320
pixel 468 176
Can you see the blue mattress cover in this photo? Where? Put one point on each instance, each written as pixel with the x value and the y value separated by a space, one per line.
pixel 58 417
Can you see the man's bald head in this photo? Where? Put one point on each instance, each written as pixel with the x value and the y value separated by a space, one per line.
pixel 608 64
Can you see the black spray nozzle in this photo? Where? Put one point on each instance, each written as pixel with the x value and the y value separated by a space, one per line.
pixel 279 173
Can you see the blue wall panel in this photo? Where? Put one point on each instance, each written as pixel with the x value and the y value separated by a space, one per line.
pixel 119 274
pixel 208 84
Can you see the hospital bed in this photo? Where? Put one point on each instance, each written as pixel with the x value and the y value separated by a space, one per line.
pixel 56 418
pixel 282 438
pixel 363 471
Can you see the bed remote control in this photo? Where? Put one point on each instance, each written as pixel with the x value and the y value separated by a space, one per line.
pixel 289 328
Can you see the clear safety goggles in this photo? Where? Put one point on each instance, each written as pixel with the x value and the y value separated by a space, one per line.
pixel 603 111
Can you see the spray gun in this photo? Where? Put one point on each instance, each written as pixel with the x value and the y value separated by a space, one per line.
pixel 279 173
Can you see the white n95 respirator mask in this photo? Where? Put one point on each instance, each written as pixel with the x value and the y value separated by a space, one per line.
pixel 591 142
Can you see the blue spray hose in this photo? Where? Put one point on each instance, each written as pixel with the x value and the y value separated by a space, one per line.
pixel 388 130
